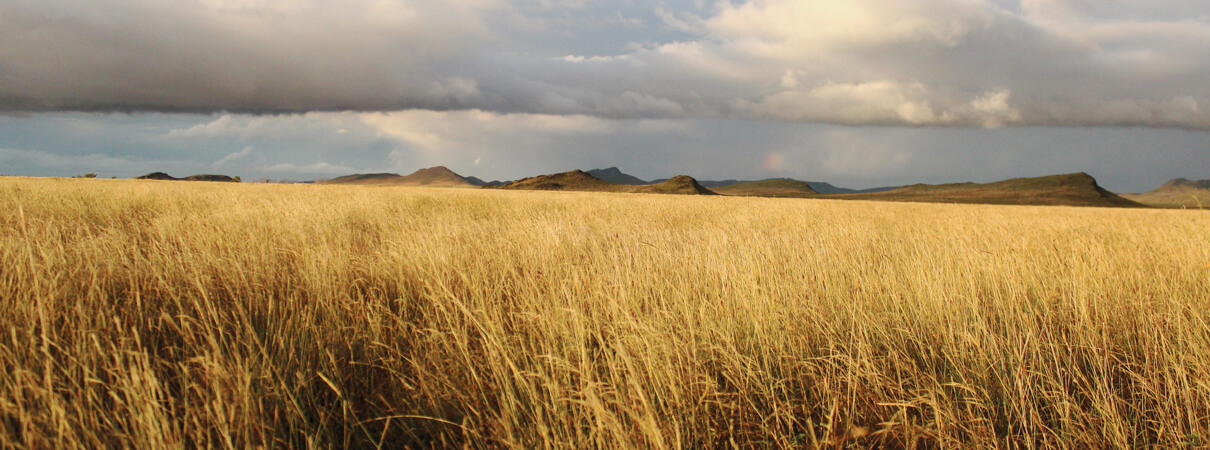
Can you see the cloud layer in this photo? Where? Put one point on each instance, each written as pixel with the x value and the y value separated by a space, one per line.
pixel 962 63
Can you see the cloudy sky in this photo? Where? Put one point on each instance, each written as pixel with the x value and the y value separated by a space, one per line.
pixel 860 93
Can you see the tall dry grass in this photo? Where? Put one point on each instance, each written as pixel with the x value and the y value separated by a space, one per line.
pixel 162 314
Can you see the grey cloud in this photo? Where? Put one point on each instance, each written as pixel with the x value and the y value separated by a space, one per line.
pixel 954 63
pixel 215 55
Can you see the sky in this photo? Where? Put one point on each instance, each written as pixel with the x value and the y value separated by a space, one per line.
pixel 861 93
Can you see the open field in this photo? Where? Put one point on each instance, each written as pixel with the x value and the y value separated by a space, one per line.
pixel 152 314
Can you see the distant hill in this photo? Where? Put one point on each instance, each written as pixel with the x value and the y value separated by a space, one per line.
pixel 819 186
pixel 202 177
pixel 277 181
pixel 707 183
pixel 773 187
pixel 363 178
pixel 616 176
pixel 478 182
pixel 157 176
pixel 576 180
pixel 433 176
pixel 1176 193
pixel 828 188
pixel 681 184
pixel 207 177
pixel 1077 189
pixel 579 180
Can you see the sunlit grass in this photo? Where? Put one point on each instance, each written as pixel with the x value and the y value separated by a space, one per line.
pixel 151 314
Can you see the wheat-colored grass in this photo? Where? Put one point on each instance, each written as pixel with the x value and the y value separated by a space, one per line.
pixel 167 314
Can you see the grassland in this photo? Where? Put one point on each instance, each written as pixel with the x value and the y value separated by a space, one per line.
pixel 160 314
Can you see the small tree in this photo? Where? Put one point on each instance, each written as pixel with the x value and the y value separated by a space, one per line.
pixel 237 180
pixel 90 175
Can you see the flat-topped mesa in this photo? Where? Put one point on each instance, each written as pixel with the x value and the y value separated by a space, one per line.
pixel 363 178
pixel 1073 189
pixel 210 177
pixel 773 187
pixel 200 177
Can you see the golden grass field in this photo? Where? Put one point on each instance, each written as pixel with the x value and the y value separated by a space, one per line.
pixel 165 314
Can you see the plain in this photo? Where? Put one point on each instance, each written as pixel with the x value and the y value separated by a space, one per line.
pixel 160 314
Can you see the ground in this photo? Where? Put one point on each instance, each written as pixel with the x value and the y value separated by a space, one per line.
pixel 146 314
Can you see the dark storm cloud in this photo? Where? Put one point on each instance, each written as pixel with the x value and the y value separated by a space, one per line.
pixel 234 55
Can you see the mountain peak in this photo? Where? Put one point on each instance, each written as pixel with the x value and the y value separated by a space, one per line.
pixel 616 176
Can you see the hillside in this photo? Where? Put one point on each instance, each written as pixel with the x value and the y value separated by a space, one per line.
pixel 828 188
pixel 616 176
pixel 773 187
pixel 200 177
pixel 479 182
pixel 364 178
pixel 818 186
pixel 433 177
pixel 1077 189
pixel 1176 193
pixel 575 180
pixel 579 180
pixel 681 184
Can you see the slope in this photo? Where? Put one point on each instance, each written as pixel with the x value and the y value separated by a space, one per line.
pixel 616 176
pixel 579 180
pixel 1176 193
pixel 1077 189
pixel 438 176
pixel 773 187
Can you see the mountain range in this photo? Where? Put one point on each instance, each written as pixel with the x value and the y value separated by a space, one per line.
pixel 1078 189
pixel 615 175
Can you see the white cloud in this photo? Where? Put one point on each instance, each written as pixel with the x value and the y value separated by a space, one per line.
pixel 452 130
pixel 232 157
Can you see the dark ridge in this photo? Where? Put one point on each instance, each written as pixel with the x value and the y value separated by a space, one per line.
pixel 210 177
pixel 201 177
pixel 479 182
pixel 157 176
pixel 616 176
pixel 575 180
